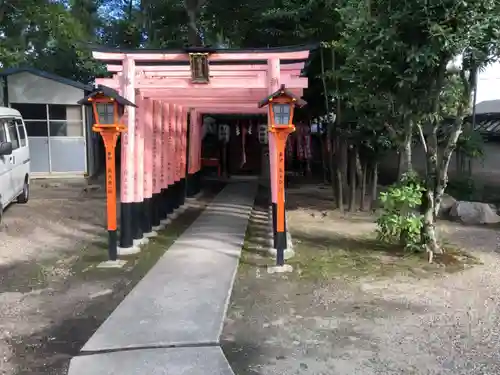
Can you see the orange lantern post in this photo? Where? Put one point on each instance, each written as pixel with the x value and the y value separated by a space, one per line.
pixel 281 109
pixel 108 108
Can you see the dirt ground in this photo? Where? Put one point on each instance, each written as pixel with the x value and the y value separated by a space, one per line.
pixel 52 298
pixel 353 307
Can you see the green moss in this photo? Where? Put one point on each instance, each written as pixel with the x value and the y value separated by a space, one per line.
pixel 25 277
pixel 341 256
pixel 254 252
pixel 326 255
pixel 137 264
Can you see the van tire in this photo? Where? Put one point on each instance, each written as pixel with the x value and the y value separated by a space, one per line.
pixel 25 195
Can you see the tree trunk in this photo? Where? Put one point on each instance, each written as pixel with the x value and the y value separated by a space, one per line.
pixel 329 130
pixel 405 153
pixel 192 8
pixel 430 143
pixel 400 165
pixel 343 161
pixel 193 35
pixel 324 162
pixel 332 150
pixel 362 205
pixel 342 157
pixel 337 178
pixel 130 9
pixel 359 168
pixel 374 185
pixel 437 170
pixel 429 236
pixel 340 189
pixel 352 179
pixel 442 176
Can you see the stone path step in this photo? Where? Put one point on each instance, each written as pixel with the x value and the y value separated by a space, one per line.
pixel 185 361
pixel 181 304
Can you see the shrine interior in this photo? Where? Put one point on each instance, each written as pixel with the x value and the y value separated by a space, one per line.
pixel 237 145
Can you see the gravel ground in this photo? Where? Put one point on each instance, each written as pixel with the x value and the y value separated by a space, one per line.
pixel 39 242
pixel 448 324
pixel 51 297
pixel 59 215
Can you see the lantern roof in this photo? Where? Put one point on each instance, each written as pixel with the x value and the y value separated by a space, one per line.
pixel 106 91
pixel 283 93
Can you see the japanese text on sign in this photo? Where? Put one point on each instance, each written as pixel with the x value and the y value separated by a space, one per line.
pixel 281 173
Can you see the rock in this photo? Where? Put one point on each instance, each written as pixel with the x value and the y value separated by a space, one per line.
pixel 90 188
pixel 474 213
pixel 51 185
pixel 447 202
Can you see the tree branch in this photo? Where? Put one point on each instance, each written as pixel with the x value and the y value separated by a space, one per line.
pixel 422 136
pixel 392 132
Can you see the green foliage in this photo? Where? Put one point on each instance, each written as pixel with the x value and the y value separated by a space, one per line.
pixel 471 144
pixel 450 97
pixel 49 35
pixel 399 221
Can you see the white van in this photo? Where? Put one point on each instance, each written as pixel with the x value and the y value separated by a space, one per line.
pixel 14 159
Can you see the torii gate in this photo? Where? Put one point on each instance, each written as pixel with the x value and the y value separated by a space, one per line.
pixel 161 152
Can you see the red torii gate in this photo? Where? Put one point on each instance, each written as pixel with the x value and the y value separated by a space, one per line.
pixel 161 152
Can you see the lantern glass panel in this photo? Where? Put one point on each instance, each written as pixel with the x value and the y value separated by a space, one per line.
pixel 281 114
pixel 106 113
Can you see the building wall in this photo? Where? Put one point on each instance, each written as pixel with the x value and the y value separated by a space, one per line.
pixel 29 88
pixel 94 156
pixel 57 130
pixel 485 170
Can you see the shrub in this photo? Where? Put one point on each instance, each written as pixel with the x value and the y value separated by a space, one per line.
pixel 400 221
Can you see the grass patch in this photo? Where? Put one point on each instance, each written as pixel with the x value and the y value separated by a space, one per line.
pixel 332 256
pixel 254 252
pixel 325 255
pixel 24 277
pixel 137 264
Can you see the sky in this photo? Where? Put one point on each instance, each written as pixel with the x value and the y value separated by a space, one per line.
pixel 488 84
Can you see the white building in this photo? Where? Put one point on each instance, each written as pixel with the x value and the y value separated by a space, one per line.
pixel 60 135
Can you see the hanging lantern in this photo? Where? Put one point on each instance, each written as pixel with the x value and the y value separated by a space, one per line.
pixel 315 127
pixel 224 133
pixel 208 127
pixel 238 132
pixel 262 135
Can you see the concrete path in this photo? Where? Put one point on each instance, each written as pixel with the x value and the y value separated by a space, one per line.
pixel 173 318
pixel 185 361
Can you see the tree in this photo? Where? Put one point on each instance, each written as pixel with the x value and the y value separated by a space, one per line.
pixel 447 29
pixel 394 70
pixel 46 35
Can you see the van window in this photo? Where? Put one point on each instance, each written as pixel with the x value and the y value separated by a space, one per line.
pixel 21 131
pixel 3 134
pixel 14 138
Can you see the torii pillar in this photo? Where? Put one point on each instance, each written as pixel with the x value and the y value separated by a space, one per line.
pixel 193 155
pixel 129 202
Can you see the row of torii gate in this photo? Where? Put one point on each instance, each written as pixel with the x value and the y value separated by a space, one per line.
pixel 161 148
